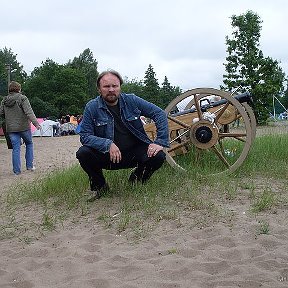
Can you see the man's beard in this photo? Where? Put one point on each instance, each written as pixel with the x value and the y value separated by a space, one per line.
pixel 111 98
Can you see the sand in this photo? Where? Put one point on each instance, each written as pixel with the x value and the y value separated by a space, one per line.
pixel 88 255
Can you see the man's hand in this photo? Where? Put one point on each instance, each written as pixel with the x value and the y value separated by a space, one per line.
pixel 153 149
pixel 115 154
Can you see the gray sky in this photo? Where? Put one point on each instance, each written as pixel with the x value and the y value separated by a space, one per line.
pixel 183 40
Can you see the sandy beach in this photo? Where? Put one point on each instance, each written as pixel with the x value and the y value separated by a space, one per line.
pixel 87 254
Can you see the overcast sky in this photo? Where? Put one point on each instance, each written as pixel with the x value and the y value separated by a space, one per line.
pixel 183 40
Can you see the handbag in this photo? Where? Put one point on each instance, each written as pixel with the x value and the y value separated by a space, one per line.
pixel 6 135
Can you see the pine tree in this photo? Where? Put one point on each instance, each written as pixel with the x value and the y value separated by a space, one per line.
pixel 151 86
pixel 168 92
pixel 247 67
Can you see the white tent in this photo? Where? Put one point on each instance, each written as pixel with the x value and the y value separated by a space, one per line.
pixel 46 129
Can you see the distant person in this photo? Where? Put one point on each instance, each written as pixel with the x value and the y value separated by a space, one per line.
pixel 67 118
pixel 56 128
pixel 79 119
pixel 113 136
pixel 18 114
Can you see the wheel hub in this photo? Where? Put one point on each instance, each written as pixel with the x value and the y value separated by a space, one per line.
pixel 203 134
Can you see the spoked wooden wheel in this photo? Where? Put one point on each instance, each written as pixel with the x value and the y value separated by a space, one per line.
pixel 210 131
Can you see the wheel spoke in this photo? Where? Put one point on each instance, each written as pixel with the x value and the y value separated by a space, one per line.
pixel 220 156
pixel 179 136
pixel 178 122
pixel 233 135
pixel 177 146
pixel 197 106
pixel 221 111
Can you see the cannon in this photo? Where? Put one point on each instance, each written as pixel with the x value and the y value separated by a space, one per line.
pixel 210 130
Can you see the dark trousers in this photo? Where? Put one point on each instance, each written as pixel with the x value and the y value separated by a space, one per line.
pixel 93 161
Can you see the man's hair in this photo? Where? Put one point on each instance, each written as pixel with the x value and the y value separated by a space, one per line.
pixel 14 87
pixel 110 71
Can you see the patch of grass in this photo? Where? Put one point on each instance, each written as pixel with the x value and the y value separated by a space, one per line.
pixel 58 188
pixel 183 198
pixel 52 199
pixel 267 157
pixel 48 223
pixel 263 228
pixel 264 202
pixel 172 251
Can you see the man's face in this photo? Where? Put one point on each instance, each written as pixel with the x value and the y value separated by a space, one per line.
pixel 109 88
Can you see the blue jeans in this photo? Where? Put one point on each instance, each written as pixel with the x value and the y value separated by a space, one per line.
pixel 16 144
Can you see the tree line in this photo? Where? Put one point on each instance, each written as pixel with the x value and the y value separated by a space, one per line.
pixel 56 90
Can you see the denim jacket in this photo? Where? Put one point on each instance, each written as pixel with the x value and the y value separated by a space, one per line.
pixel 97 126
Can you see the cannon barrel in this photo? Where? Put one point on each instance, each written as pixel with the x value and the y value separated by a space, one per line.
pixel 245 97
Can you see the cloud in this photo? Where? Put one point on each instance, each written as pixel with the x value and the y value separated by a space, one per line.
pixel 183 40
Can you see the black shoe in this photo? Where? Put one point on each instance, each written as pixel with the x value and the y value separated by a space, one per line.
pixel 96 192
pixel 146 175
pixel 135 176
pixel 94 196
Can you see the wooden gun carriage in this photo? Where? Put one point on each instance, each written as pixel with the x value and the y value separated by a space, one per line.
pixel 210 129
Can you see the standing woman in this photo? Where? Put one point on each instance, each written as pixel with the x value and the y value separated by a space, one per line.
pixel 18 114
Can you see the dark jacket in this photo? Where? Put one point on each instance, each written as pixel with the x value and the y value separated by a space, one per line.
pixel 97 127
pixel 18 113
